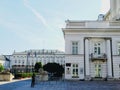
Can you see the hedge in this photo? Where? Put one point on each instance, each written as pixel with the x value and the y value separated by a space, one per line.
pixel 23 75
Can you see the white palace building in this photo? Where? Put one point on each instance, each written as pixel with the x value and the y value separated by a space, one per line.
pixel 26 60
pixel 92 48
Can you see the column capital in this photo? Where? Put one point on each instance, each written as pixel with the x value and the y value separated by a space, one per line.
pixel 108 38
pixel 86 38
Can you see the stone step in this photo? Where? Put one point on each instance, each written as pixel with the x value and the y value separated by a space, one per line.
pixel 98 79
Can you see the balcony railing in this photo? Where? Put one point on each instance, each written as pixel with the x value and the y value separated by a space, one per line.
pixel 101 56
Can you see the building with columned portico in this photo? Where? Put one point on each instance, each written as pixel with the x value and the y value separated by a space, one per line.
pixel 92 48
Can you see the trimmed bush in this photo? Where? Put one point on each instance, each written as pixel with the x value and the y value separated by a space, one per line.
pixel 54 68
pixel 1 68
pixel 37 66
pixel 22 75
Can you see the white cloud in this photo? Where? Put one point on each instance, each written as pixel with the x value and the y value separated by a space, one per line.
pixel 42 19
pixel 36 13
pixel 105 6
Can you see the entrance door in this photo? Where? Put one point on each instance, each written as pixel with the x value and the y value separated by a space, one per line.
pixel 98 70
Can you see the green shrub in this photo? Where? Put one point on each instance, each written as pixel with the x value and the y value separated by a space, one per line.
pixel 23 75
pixel 1 68
pixel 18 75
pixel 37 66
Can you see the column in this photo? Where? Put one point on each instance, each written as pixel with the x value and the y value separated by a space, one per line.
pixel 87 59
pixel 109 65
pixel 118 8
pixel 113 8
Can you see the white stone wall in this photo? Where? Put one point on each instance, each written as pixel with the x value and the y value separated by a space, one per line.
pixel 4 62
pixel 68 43
pixel 44 59
pixel 115 41
pixel 103 68
pixel 75 59
pixel 115 9
pixel 98 32
pixel 23 58
pixel 116 66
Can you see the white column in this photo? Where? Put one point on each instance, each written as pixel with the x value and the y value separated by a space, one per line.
pixel 87 58
pixel 113 8
pixel 109 66
pixel 118 8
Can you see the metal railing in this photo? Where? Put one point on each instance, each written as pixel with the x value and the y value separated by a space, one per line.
pixel 96 56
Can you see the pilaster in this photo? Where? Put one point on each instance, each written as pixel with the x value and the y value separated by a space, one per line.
pixel 87 67
pixel 109 62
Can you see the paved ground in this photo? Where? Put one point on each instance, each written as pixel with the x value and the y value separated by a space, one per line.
pixel 63 85
pixel 14 80
pixel 14 84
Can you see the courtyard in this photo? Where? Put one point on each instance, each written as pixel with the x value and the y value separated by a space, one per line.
pixel 62 85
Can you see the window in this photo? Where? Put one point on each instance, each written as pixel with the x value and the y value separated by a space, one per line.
pixel 97 48
pixel 61 62
pixel 119 48
pixel 19 61
pixel 23 62
pixel 75 70
pixel 74 47
pixel 44 61
pixel 15 61
pixel 68 64
pixel 32 63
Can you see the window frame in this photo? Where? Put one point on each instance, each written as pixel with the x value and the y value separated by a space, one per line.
pixel 118 48
pixel 74 47
pixel 75 70
pixel 97 48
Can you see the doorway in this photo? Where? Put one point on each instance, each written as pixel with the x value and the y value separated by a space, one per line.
pixel 98 69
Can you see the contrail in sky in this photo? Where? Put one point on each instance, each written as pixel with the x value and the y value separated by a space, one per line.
pixel 35 12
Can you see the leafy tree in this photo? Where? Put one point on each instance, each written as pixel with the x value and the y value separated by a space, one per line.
pixel 38 65
pixel 54 68
pixel 1 68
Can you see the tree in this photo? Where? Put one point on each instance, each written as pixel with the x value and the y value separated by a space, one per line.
pixel 1 68
pixel 38 65
pixel 54 68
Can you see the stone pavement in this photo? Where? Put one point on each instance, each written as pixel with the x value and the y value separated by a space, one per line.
pixel 14 84
pixel 63 85
pixel 74 85
pixel 14 80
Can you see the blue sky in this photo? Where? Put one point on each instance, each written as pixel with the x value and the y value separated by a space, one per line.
pixel 36 24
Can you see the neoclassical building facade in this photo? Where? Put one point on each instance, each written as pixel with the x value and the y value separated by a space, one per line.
pixel 25 61
pixel 92 48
